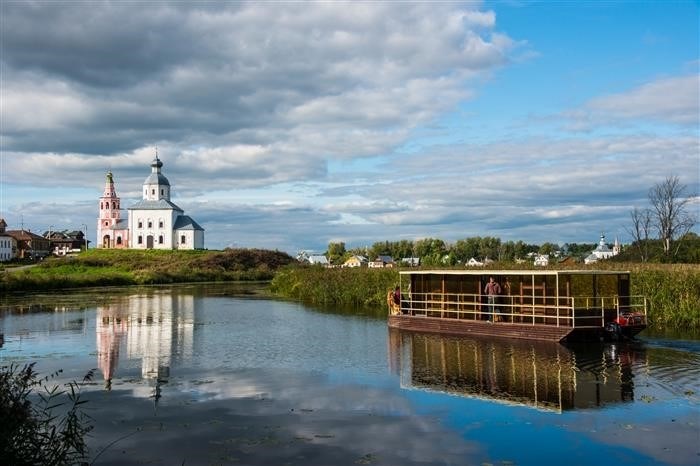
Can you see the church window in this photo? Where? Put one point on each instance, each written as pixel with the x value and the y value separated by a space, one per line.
pixel 150 224
pixel 119 240
pixel 160 239
pixel 140 240
pixel 153 192
pixel 161 191
pixel 160 224
pixel 140 224
pixel 106 223
pixel 182 239
pixel 101 206
pixel 114 205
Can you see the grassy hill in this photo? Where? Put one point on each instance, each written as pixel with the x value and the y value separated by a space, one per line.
pixel 104 267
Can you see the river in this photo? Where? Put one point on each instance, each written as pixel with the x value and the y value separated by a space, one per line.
pixel 226 374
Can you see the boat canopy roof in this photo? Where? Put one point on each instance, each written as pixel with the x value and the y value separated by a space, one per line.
pixel 482 272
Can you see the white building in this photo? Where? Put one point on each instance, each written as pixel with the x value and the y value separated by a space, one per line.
pixel 602 251
pixel 152 223
pixel 319 260
pixel 541 260
pixel 8 244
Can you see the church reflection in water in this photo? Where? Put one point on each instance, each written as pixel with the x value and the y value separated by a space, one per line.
pixel 155 328
pixel 543 375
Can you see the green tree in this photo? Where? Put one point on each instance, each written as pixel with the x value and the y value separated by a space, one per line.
pixel 336 252
pixel 489 247
pixel 548 248
pixel 431 248
pixel 465 249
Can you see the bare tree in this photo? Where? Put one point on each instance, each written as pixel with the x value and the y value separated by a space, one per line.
pixel 671 218
pixel 641 227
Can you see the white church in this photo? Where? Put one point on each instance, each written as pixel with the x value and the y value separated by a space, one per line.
pixel 152 223
pixel 602 251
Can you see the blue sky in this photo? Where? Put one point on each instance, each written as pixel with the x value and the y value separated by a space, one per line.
pixel 290 125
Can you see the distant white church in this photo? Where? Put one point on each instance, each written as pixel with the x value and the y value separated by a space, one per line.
pixel 152 223
pixel 602 251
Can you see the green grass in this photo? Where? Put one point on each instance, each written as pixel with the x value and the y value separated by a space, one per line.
pixel 108 267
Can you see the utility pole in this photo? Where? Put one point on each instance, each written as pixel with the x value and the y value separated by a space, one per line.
pixel 85 237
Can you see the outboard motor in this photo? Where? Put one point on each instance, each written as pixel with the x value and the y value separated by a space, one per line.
pixel 613 331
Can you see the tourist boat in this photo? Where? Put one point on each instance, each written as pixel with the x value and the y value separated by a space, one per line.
pixel 555 305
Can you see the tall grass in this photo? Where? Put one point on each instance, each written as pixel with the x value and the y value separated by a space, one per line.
pixel 673 291
pixel 350 286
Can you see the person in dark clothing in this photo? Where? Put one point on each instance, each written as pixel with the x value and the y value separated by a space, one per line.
pixel 397 295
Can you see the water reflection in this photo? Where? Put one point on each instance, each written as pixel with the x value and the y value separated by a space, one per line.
pixel 539 374
pixel 155 328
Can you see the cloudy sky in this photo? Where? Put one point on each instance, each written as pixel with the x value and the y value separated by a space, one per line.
pixel 288 125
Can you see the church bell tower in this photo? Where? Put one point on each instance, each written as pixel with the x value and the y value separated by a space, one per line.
pixel 109 214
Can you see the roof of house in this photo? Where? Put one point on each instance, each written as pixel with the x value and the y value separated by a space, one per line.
pixel 160 204
pixel 318 259
pixel 185 222
pixel 24 235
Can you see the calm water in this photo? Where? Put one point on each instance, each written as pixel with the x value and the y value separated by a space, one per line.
pixel 222 374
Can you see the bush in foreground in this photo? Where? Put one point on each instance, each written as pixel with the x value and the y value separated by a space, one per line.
pixel 31 432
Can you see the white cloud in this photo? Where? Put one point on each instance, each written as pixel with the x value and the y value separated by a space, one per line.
pixel 673 100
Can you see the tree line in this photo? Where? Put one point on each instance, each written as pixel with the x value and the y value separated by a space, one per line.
pixel 660 232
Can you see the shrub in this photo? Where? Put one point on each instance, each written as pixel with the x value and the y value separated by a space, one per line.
pixel 31 432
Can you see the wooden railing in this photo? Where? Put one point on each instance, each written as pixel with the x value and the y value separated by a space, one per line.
pixel 525 309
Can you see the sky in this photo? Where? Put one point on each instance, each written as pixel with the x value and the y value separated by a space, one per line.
pixel 289 125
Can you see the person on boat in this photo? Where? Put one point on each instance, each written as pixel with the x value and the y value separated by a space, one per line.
pixel 397 295
pixel 492 290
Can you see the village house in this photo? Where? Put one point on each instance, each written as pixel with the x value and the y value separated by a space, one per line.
pixel 29 245
pixel 65 242
pixel 381 262
pixel 8 244
pixel 356 261
pixel 541 260
pixel 411 261
pixel 319 260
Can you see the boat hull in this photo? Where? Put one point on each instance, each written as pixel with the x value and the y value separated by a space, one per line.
pixel 475 327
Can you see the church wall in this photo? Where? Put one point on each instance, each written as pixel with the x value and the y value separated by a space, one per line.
pixel 194 239
pixel 198 239
pixel 145 223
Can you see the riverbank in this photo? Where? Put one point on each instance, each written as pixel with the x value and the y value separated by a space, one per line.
pixel 110 267
pixel 673 290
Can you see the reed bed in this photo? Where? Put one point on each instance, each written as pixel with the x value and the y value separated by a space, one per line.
pixel 673 290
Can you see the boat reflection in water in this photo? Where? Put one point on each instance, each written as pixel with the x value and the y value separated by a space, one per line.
pixel 544 375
